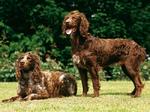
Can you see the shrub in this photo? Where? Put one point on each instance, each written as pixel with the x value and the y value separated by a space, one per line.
pixel 7 70
pixel 146 70
pixel 35 25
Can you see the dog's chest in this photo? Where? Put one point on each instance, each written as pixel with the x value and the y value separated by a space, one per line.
pixel 84 61
pixel 36 87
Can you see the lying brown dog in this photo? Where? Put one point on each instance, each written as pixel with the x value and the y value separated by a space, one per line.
pixel 36 84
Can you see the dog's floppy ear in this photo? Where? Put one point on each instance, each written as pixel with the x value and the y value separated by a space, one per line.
pixel 84 25
pixel 36 58
pixel 18 72
pixel 36 72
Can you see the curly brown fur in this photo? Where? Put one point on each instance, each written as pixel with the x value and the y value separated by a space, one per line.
pixel 36 84
pixel 90 54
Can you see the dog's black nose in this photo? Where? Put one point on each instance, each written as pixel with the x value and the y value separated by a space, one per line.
pixel 21 63
pixel 68 21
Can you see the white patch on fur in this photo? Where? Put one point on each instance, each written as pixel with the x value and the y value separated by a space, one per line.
pixel 71 89
pixel 29 97
pixel 30 82
pixel 61 78
pixel 33 94
pixel 76 59
pixel 47 74
pixel 24 59
pixel 40 87
pixel 42 79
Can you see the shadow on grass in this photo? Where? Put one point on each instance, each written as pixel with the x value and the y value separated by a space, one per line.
pixel 103 94
pixel 116 93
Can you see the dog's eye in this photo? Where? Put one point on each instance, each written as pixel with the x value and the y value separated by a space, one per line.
pixel 28 58
pixel 21 57
pixel 73 17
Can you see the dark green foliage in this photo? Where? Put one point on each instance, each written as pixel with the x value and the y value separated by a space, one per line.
pixel 35 25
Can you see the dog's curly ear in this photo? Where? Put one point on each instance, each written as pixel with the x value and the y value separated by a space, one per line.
pixel 36 58
pixel 36 72
pixel 18 73
pixel 84 25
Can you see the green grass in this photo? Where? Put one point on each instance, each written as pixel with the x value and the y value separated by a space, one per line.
pixel 113 98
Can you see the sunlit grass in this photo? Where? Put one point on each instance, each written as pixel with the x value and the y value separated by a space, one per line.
pixel 113 98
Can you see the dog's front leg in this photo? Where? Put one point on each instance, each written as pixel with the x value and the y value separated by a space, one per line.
pixel 12 99
pixel 95 80
pixel 37 96
pixel 84 79
pixel 31 97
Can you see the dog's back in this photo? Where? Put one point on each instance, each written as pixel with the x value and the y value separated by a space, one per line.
pixel 60 84
pixel 109 51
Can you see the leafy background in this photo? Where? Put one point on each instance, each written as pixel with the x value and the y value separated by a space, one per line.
pixel 35 25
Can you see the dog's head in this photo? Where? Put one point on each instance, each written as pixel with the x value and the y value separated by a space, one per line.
pixel 27 62
pixel 75 22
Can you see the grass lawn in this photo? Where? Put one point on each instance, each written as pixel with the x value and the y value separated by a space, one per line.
pixel 113 98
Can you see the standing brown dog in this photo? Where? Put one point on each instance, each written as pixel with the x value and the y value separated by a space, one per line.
pixel 36 84
pixel 90 54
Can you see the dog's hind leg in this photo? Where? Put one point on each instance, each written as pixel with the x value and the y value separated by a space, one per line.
pixel 130 77
pixel 131 69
